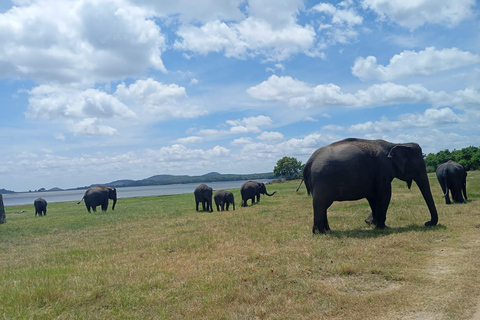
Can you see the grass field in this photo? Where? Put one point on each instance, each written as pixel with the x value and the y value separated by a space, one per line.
pixel 157 258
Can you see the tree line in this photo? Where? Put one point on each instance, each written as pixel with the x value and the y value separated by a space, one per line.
pixel 468 157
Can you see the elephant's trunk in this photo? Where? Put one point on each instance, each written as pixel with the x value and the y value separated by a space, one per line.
pixel 270 194
pixel 424 186
pixel 114 203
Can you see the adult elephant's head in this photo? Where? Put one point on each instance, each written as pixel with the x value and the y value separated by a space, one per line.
pixel 112 194
pixel 409 165
pixel 263 189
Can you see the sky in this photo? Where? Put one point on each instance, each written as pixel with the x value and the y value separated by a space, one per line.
pixel 97 91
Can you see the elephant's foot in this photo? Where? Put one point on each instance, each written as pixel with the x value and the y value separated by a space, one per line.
pixel 430 223
pixel 320 230
pixel 381 227
pixel 370 219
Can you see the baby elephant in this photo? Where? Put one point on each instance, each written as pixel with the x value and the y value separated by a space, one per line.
pixel 40 207
pixel 223 197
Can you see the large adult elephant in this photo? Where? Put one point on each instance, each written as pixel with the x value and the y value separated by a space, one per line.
pixel 251 190
pixel 98 196
pixel 452 177
pixel 203 194
pixel 353 169
pixel 222 198
pixel 40 205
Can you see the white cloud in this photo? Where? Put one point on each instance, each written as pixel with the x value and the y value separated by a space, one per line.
pixel 194 10
pixel 296 93
pixel 415 13
pixel 83 41
pixel 65 102
pixel 270 136
pixel 431 118
pixel 339 16
pixel 163 101
pixel 343 20
pixel 251 37
pixel 190 140
pixel 411 63
pixel 250 124
pixel 333 127
pixel 241 141
pixel 92 127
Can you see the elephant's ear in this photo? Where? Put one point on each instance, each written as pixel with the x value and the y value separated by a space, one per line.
pixel 400 157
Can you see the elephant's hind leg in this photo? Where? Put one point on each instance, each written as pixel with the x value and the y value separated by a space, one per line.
pixel 320 221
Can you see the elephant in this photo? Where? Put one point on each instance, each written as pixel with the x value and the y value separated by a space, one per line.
pixel 98 196
pixel 452 177
pixel 40 207
pixel 353 169
pixel 251 189
pixel 203 194
pixel 223 197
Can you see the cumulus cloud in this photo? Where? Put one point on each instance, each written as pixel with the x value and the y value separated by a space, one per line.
pixel 299 94
pixel 83 41
pixel 50 102
pixel 415 13
pixel 343 20
pixel 411 63
pixel 270 136
pixel 431 118
pixel 190 140
pixel 92 127
pixel 163 101
pixel 249 38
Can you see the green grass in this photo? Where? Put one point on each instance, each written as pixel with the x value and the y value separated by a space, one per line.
pixel 157 258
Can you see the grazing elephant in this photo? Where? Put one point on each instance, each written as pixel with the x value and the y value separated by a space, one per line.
pixel 98 196
pixel 40 207
pixel 452 177
pixel 223 197
pixel 203 194
pixel 252 189
pixel 353 169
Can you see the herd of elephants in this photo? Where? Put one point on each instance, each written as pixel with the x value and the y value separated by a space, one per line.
pixel 350 169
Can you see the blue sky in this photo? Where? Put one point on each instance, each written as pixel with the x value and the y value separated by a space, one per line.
pixel 96 91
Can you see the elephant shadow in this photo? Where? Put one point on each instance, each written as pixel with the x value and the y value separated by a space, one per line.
pixel 377 233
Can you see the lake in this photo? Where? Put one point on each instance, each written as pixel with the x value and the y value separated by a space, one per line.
pixel 126 192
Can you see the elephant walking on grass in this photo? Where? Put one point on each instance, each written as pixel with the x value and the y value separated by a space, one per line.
pixel 251 190
pixel 222 198
pixel 203 195
pixel 353 169
pixel 452 177
pixel 40 205
pixel 98 196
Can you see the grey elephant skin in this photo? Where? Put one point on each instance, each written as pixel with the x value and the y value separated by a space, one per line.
pixel 353 169
pixel 452 177
pixel 252 190
pixel 40 205
pixel 203 194
pixel 98 196
pixel 224 198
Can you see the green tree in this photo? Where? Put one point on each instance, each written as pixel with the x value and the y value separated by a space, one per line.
pixel 288 167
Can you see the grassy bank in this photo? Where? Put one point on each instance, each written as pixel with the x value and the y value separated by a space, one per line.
pixel 157 258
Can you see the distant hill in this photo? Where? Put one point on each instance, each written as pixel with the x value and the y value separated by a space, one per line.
pixel 4 191
pixel 171 179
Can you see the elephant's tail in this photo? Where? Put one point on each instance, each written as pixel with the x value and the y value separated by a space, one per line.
pixel 81 200
pixel 446 186
pixel 299 186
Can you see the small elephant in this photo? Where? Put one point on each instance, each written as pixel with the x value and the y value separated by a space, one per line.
pixel 452 177
pixel 98 196
pixel 203 194
pixel 251 190
pixel 223 197
pixel 40 207
pixel 353 169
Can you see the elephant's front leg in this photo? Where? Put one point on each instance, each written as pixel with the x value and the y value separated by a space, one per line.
pixel 382 200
